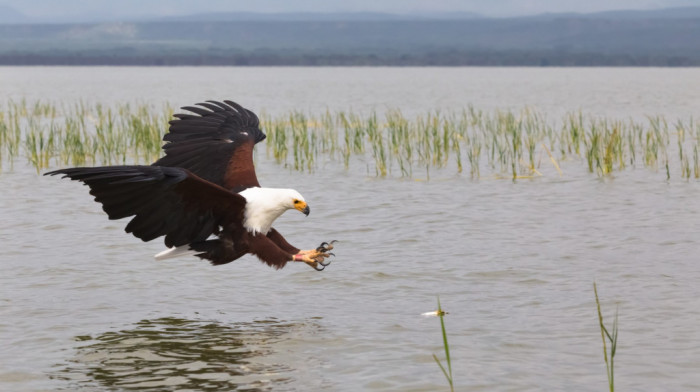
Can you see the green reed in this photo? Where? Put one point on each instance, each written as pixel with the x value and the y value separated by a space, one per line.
pixel 501 144
pixel 607 338
pixel 511 144
pixel 276 139
pixel 447 372
pixel 303 141
pixel 376 140
pixel 48 135
pixel 399 140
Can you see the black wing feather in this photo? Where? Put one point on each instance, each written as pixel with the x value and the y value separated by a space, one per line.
pixel 200 111
pixel 219 104
pixel 207 143
pixel 210 106
pixel 166 201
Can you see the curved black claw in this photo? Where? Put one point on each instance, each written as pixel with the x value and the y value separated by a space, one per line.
pixel 326 246
pixel 324 264
pixel 315 266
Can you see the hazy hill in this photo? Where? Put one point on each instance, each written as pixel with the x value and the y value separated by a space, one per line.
pixel 668 13
pixel 664 37
pixel 316 17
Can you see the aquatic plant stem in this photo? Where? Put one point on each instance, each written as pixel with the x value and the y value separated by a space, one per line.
pixel 448 372
pixel 609 365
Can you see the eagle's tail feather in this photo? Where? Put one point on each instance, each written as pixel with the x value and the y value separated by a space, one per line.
pixel 175 252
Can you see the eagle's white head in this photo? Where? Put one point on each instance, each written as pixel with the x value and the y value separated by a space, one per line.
pixel 264 205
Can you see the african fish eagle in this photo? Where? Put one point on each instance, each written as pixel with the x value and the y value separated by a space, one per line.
pixel 203 195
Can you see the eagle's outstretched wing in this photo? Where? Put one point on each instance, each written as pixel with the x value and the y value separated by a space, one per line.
pixel 216 143
pixel 166 201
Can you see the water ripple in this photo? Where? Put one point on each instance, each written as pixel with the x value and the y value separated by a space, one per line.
pixel 171 353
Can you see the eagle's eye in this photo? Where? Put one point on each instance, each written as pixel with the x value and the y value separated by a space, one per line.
pixel 297 201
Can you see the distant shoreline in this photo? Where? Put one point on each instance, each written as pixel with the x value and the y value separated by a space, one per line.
pixel 445 59
pixel 654 39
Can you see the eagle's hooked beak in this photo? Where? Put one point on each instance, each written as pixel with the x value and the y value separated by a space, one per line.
pixel 302 206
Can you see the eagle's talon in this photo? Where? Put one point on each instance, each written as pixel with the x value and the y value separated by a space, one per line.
pixel 316 267
pixel 316 258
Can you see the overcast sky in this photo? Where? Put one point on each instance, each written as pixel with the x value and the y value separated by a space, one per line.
pixel 147 8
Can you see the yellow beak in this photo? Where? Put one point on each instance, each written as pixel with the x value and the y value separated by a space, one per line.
pixel 303 207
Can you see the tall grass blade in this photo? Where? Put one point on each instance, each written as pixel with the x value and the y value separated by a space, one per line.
pixel 448 372
pixel 607 337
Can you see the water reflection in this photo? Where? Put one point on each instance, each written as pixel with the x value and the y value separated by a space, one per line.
pixel 180 354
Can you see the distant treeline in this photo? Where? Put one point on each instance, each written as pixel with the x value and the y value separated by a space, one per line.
pixel 543 41
pixel 446 58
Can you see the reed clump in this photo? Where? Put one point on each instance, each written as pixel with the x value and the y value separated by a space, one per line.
pixel 500 144
pixel 81 134
pixel 506 144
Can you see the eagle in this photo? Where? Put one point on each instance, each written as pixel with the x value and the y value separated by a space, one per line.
pixel 203 195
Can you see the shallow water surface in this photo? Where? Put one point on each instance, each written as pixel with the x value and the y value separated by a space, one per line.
pixel 83 306
pixel 173 352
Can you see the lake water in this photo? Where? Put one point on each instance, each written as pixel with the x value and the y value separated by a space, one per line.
pixel 83 306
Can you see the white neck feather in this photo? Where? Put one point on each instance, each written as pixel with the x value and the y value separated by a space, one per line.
pixel 264 205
